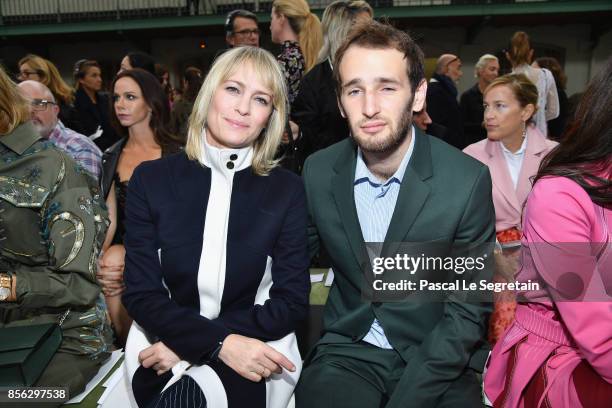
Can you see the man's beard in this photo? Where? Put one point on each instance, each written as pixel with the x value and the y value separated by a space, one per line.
pixel 43 131
pixel 372 144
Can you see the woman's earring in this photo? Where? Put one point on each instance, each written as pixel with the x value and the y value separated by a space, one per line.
pixel 524 129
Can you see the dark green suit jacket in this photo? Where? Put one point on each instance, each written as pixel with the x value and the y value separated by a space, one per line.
pixel 444 196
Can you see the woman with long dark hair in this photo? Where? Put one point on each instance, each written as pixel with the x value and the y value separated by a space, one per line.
pixel 558 352
pixel 92 105
pixel 140 115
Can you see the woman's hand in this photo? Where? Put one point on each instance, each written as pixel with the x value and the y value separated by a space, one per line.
pixel 110 270
pixel 252 358
pixel 159 357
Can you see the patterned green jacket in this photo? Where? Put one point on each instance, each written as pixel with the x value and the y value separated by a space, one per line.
pixel 52 225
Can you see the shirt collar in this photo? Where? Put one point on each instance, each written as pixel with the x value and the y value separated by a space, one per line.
pixel 362 173
pixel 20 139
pixel 218 159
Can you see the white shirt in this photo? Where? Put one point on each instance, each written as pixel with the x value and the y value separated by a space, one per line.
pixel 514 161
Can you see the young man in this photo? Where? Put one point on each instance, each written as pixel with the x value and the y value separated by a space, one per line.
pixel 391 183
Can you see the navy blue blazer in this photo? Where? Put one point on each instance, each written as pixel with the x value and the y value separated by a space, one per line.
pixel 166 209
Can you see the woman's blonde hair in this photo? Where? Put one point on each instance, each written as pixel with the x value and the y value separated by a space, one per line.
pixel 50 76
pixel 338 19
pixel 525 92
pixel 305 24
pixel 14 109
pixel 520 49
pixel 272 77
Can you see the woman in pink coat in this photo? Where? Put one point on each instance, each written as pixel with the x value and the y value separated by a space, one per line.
pixel 513 151
pixel 558 351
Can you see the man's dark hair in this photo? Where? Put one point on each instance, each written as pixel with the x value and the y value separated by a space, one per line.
pixel 231 16
pixel 375 35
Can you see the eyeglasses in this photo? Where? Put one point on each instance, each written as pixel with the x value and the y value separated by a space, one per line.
pixel 247 33
pixel 40 105
pixel 25 74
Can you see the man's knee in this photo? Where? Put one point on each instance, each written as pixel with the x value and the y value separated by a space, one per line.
pixel 326 385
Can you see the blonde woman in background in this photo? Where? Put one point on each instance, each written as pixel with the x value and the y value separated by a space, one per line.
pixel 298 31
pixel 35 68
pixel 315 110
pixel 520 55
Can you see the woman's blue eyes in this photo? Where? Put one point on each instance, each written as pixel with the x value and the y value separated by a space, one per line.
pixel 258 99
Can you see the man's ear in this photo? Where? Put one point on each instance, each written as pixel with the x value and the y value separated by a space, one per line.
pixel 419 96
pixel 229 38
pixel 56 109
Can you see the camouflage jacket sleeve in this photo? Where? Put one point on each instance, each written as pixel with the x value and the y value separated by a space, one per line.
pixel 72 227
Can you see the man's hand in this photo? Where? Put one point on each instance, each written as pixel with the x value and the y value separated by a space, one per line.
pixel 159 357
pixel 252 358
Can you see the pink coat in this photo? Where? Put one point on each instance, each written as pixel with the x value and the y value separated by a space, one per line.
pixel 507 200
pixel 567 249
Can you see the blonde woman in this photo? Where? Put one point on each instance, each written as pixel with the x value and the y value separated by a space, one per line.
pixel 315 110
pixel 298 31
pixel 216 266
pixel 35 68
pixel 520 55
pixel 51 229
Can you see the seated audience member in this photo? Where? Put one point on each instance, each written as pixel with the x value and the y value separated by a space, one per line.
pixel 558 351
pixel 219 292
pixel 44 112
pixel 487 69
pixel 513 151
pixel 92 105
pixel 315 109
pixel 137 59
pixel 391 183
pixel 556 126
pixel 442 105
pixel 51 230
pixel 179 119
pixel 422 120
pixel 520 56
pixel 140 115
pixel 241 29
pixel 35 68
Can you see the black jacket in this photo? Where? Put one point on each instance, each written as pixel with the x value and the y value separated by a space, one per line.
pixel 91 115
pixel 472 111
pixel 316 112
pixel 443 108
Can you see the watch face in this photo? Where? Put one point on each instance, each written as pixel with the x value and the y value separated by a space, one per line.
pixel 4 293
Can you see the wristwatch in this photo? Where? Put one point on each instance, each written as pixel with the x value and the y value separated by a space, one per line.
pixel 6 285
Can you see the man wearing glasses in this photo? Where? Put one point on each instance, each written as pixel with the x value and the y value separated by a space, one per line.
pixel 241 29
pixel 44 112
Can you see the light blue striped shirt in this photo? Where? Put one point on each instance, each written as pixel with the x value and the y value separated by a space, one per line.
pixel 375 202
